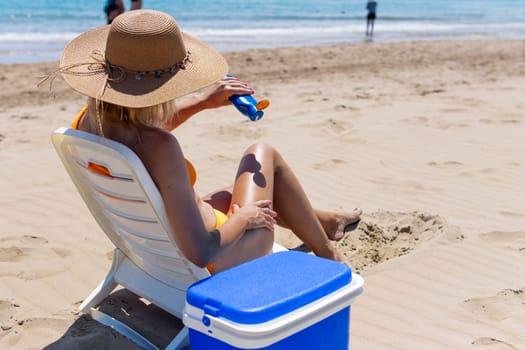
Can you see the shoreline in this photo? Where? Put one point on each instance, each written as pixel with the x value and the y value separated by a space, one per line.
pixel 227 46
pixel 426 137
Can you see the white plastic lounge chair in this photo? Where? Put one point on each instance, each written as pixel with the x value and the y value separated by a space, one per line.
pixel 128 207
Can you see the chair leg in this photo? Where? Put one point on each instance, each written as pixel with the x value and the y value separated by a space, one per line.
pixel 108 284
pixel 105 287
pixel 181 341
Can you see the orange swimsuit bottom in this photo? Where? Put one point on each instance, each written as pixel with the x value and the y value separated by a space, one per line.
pixel 220 217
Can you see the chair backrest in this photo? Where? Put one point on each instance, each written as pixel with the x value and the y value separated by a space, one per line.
pixel 127 205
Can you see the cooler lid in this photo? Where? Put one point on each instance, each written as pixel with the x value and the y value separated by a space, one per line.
pixel 269 287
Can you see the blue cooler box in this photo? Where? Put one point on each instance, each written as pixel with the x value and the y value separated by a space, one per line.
pixel 287 300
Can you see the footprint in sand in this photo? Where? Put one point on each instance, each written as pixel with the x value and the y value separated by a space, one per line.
pixel 511 214
pixel 17 251
pixel 425 92
pixel 506 304
pixel 8 311
pixel 33 251
pixel 329 126
pixel 470 102
pixel 434 122
pixel 11 254
pixel 452 110
pixel 49 323
pixel 244 130
pixel 450 164
pixel 485 174
pixel 417 120
pixel 507 240
pixel 24 117
pixel 329 164
pixel 310 94
pixel 493 343
pixel 61 252
pixel 17 329
pixel 508 118
pixel 345 107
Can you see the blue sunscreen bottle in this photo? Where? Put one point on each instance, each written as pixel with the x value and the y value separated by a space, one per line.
pixel 248 105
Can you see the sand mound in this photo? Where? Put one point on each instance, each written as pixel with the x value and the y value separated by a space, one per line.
pixel 384 235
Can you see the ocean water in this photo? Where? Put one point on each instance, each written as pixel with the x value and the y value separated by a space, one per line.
pixel 38 30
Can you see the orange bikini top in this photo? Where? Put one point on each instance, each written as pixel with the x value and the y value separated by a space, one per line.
pixel 191 169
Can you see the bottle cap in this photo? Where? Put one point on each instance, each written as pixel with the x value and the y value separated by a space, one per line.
pixel 262 104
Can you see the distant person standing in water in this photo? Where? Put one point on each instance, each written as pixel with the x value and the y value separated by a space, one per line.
pixel 371 6
pixel 113 8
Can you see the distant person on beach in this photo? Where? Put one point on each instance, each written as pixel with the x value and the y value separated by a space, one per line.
pixel 113 8
pixel 371 6
pixel 143 78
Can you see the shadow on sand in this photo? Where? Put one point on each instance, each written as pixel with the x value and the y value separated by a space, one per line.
pixel 153 323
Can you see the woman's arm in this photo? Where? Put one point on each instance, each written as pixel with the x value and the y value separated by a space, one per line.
pixel 213 96
pixel 164 160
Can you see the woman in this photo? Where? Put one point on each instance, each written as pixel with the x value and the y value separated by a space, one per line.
pixel 133 71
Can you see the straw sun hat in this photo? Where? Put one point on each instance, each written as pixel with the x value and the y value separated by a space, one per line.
pixel 140 60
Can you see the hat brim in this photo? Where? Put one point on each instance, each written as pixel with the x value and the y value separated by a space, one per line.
pixel 207 66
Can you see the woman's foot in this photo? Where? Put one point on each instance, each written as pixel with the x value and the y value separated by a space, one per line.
pixel 340 257
pixel 342 223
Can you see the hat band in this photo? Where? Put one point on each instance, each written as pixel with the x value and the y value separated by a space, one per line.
pixel 113 73
pixel 116 73
pixel 122 72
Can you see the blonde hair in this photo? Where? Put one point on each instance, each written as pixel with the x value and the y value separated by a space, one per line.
pixel 157 115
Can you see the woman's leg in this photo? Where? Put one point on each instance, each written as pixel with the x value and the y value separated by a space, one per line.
pixel 254 181
pixel 263 174
pixel 334 223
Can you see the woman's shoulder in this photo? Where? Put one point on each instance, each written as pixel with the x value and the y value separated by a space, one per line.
pixel 154 132
pixel 155 141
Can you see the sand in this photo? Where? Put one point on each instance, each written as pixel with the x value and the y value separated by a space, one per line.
pixel 426 137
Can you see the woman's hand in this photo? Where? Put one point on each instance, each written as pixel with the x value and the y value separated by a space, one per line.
pixel 213 96
pixel 257 214
pixel 217 94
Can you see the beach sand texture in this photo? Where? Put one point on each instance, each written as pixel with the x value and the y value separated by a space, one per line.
pixel 426 137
